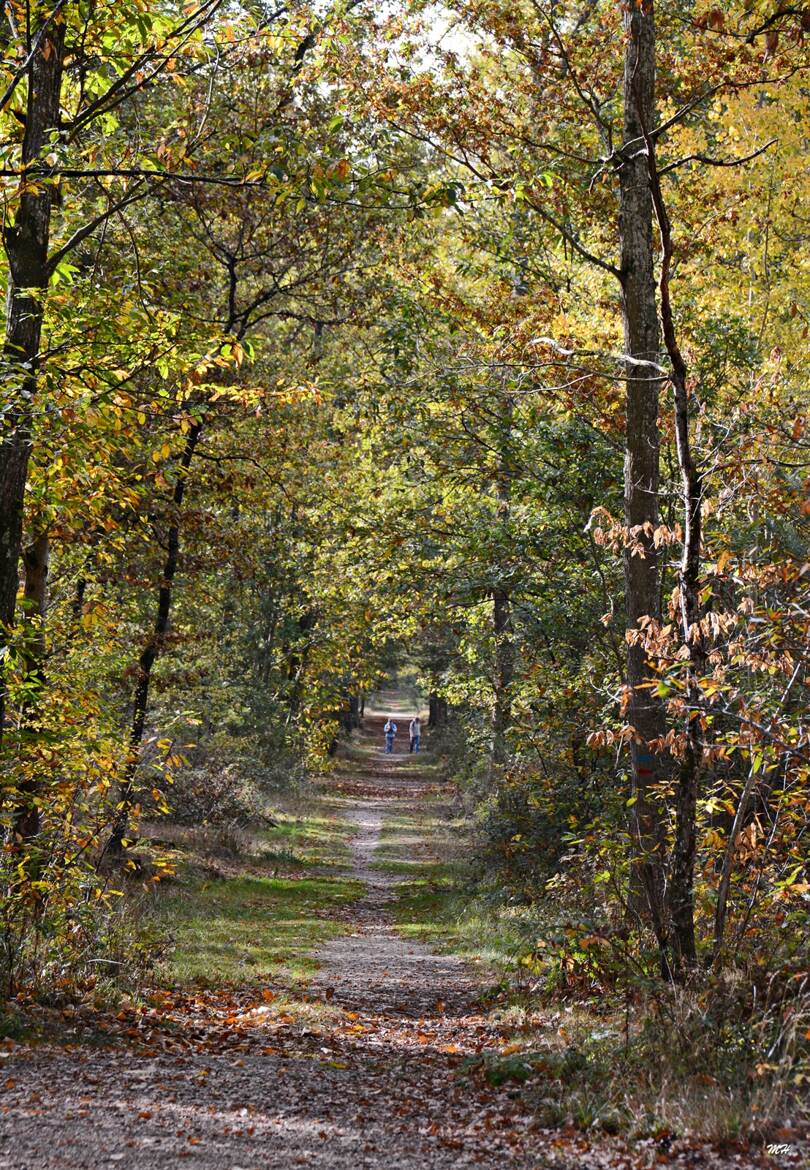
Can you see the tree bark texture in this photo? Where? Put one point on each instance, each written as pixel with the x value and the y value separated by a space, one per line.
pixel 25 814
pixel 641 464
pixel 26 243
pixel 681 884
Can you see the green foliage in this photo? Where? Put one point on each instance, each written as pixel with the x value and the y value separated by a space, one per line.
pixel 331 376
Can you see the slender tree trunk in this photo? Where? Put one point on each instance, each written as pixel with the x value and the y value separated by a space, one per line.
pixel 504 674
pixel 25 817
pixel 296 664
pixel 77 605
pixel 153 648
pixel 721 909
pixel 349 713
pixel 26 244
pixel 641 465
pixel 681 885
pixel 265 653
pixel 36 561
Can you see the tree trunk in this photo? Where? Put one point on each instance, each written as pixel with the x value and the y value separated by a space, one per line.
pixel 152 649
pixel 504 673
pixel 296 664
pixel 437 711
pixel 681 886
pixel 348 713
pixel 641 465
pixel 25 816
pixel 26 245
pixel 77 605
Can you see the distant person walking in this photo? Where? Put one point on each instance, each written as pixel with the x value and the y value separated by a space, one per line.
pixel 415 732
pixel 389 731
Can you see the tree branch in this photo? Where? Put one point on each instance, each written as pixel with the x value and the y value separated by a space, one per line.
pixel 35 44
pixel 716 162
pixel 82 233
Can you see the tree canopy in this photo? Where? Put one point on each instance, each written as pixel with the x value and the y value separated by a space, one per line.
pixel 470 335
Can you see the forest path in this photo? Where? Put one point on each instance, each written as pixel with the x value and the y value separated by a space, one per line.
pixel 360 1071
pixel 366 1070
pixel 373 968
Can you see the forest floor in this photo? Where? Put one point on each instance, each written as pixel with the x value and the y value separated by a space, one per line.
pixel 255 1057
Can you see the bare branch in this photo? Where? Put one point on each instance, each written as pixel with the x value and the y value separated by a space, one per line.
pixel 139 192
pixel 707 160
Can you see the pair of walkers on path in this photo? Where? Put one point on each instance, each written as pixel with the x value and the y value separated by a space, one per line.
pixel 414 733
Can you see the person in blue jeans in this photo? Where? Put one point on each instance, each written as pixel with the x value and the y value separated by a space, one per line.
pixel 389 731
pixel 415 733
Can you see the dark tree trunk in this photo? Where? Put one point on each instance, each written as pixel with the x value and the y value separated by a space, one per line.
pixel 77 605
pixel 641 468
pixel 25 816
pixel 437 711
pixel 348 714
pixel 681 885
pixel 153 648
pixel 26 244
pixel 36 558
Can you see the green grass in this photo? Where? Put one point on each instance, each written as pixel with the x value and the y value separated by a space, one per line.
pixel 268 911
pixel 436 899
pixel 307 840
pixel 429 909
pixel 248 929
pixel 421 847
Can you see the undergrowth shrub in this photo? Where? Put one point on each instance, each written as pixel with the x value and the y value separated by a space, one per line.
pixel 71 932
pixel 724 1054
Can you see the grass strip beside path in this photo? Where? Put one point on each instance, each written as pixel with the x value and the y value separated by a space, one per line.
pixel 252 929
pixel 267 909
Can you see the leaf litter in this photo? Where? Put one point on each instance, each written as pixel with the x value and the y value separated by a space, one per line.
pixel 377 1065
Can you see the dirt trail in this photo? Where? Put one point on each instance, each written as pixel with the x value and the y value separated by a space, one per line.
pixel 375 1080
pixel 373 967
pixel 372 1087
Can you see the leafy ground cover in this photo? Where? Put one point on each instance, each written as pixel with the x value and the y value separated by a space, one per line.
pixel 642 1061
pixel 377 1051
